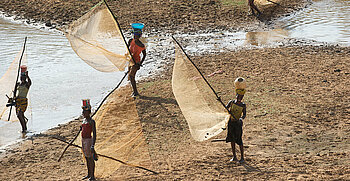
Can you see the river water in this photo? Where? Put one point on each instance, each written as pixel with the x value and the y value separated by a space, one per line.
pixel 324 21
pixel 61 79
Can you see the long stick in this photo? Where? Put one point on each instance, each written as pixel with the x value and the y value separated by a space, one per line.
pixel 218 140
pixel 115 159
pixel 121 32
pixel 126 73
pixel 218 98
pixel 70 143
pixel 104 99
pixel 19 67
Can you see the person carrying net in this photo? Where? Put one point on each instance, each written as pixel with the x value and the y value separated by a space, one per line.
pixel 88 142
pixel 238 109
pixel 136 47
pixel 21 98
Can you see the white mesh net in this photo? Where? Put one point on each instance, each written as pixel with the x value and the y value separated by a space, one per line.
pixel 7 85
pixel 119 135
pixel 96 39
pixel 205 115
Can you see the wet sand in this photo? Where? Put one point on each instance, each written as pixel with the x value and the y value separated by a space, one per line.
pixel 297 124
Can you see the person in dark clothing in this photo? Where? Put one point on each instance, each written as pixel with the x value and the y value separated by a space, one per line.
pixel 253 7
pixel 238 110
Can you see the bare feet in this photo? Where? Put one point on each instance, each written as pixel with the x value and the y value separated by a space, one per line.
pixel 241 161
pixel 134 94
pixel 86 177
pixel 234 159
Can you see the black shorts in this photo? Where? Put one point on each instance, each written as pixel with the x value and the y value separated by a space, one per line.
pixel 234 132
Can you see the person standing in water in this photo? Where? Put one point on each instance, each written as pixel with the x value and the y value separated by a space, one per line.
pixel 21 99
pixel 253 7
pixel 88 142
pixel 136 47
pixel 238 109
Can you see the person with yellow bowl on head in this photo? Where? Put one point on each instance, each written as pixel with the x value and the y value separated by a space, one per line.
pixel 238 110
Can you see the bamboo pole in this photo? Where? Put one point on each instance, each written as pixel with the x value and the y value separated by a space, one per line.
pixel 206 81
pixel 19 67
pixel 109 157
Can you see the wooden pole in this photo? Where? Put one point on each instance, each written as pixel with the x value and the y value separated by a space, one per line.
pixel 19 68
pixel 217 97
pixel 121 32
pixel 105 156
pixel 70 143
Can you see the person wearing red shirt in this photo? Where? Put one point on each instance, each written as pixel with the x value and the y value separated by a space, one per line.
pixel 136 48
pixel 88 141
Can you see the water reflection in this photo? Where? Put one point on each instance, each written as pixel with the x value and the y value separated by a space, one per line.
pixel 324 20
pixel 265 37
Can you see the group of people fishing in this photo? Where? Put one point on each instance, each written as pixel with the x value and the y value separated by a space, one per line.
pixel 88 126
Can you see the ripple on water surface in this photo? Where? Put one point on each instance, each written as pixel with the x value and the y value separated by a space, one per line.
pixel 60 78
pixel 324 20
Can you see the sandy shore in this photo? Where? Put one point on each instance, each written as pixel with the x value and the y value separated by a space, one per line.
pixel 297 124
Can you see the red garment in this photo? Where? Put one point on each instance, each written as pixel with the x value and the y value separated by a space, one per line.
pixel 136 51
pixel 86 130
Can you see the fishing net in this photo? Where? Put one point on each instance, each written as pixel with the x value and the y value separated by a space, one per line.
pixel 7 85
pixel 119 135
pixel 205 115
pixel 96 39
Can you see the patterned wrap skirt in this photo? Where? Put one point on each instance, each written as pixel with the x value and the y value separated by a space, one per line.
pixel 21 105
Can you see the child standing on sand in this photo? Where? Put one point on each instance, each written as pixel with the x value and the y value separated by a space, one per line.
pixel 88 142
pixel 238 109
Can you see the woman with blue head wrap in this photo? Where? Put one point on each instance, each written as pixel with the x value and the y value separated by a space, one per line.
pixel 136 47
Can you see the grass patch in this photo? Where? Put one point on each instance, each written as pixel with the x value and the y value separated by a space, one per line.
pixel 233 2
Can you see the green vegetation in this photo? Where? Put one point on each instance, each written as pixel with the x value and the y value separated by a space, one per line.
pixel 233 2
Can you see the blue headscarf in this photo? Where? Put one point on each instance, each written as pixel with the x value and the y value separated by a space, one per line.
pixel 137 28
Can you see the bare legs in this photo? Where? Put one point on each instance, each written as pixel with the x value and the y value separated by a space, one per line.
pixel 90 163
pixel 253 7
pixel 132 73
pixel 233 146
pixel 133 84
pixel 20 116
